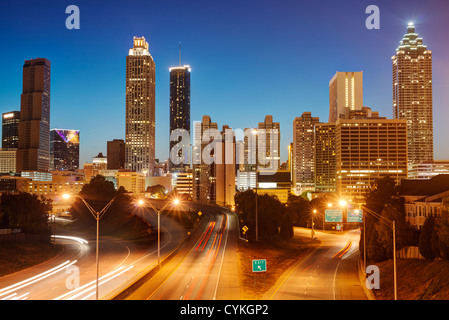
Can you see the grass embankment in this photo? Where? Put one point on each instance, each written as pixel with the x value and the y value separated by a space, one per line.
pixel 416 280
pixel 21 255
pixel 280 255
pixel 124 227
pixel 189 219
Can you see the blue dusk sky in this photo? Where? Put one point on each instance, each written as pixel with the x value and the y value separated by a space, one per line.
pixel 249 58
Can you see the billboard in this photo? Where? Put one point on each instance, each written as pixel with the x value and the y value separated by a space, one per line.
pixel 333 215
pixel 355 215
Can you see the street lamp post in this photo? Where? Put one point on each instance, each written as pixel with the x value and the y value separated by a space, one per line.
pixel 159 212
pixel 392 225
pixel 343 204
pixel 257 214
pixel 313 214
pixel 97 215
pixel 254 132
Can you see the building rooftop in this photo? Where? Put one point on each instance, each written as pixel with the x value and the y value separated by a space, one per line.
pixel 435 185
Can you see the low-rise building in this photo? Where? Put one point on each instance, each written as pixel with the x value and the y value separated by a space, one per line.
pixel 424 198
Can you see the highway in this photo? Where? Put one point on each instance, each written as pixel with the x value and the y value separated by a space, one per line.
pixel 208 270
pixel 205 266
pixel 72 274
pixel 328 272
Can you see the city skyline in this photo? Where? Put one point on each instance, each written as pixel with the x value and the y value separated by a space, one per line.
pixel 218 82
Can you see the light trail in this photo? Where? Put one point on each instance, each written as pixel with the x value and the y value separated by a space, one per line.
pixel 92 285
pixel 82 241
pixel 36 278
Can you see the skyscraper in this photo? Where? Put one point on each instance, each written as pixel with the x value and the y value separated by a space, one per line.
pixel 303 152
pixel 325 158
pixel 10 129
pixel 179 108
pixel 140 109
pixel 412 94
pixel 225 168
pixel 203 164
pixel 345 94
pixel 64 149
pixel 34 127
pixel 268 145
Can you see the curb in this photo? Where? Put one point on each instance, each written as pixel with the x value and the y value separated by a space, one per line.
pixel 362 276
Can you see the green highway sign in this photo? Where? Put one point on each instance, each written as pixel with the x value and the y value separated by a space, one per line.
pixel 355 215
pixel 260 265
pixel 333 215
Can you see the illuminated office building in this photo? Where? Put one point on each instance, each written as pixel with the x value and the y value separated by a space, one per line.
pixel 345 94
pixel 268 145
pixel 140 109
pixel 10 129
pixel 303 152
pixel 412 94
pixel 428 169
pixel 366 150
pixel 325 158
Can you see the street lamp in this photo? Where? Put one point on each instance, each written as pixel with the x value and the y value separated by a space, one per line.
pixel 392 225
pixel 97 215
pixel 176 202
pixel 343 205
pixel 255 132
pixel 313 214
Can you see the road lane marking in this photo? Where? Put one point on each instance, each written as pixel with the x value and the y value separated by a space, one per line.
pixel 173 271
pixel 293 269
pixel 342 251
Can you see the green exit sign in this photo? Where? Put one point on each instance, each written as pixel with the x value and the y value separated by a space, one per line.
pixel 260 265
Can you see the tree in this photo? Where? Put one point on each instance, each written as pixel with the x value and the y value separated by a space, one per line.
pixel 440 237
pixel 271 214
pixel 425 239
pixel 97 193
pixel 286 229
pixel 383 198
pixel 26 211
pixel 158 190
pixel 299 208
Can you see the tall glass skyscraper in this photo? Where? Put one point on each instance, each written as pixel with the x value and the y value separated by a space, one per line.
pixel 34 127
pixel 412 94
pixel 140 109
pixel 179 108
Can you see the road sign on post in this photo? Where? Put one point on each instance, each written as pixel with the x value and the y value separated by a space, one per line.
pixel 355 215
pixel 333 215
pixel 260 265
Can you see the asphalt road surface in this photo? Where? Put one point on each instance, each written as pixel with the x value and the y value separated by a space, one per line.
pixel 329 272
